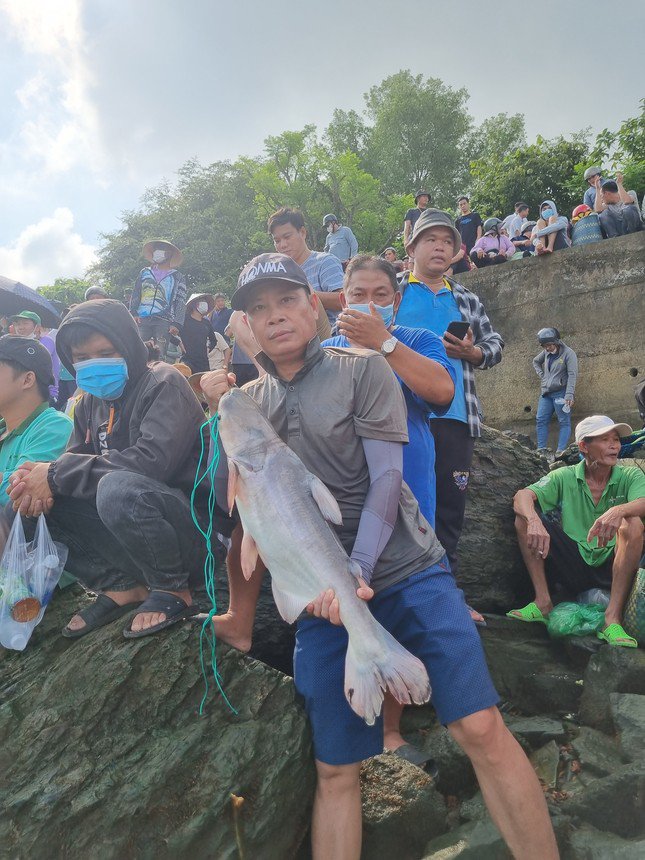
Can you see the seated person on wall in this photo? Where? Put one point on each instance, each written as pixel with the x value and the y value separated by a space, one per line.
pixel 523 243
pixel 585 226
pixel 30 429
pixel 493 247
pixel 600 540
pixel 119 496
pixel 616 209
pixel 551 231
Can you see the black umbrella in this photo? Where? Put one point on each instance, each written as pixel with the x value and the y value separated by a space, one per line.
pixel 16 297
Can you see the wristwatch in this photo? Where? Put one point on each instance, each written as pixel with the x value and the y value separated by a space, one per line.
pixel 388 345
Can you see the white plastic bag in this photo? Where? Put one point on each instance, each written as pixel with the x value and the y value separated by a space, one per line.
pixel 29 573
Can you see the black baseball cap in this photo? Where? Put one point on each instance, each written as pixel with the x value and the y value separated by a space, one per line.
pixel 28 353
pixel 609 185
pixel 266 267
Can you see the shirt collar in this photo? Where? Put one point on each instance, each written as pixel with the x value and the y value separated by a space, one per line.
pixel 580 474
pixel 446 283
pixel 20 429
pixel 313 354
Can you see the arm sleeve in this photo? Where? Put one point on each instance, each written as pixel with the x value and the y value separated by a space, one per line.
pixel 135 300
pixel 548 491
pixel 353 244
pixel 572 375
pixel 485 337
pixel 538 364
pixel 378 517
pixel 560 224
pixel 636 487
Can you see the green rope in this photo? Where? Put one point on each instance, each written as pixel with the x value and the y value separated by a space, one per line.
pixel 207 634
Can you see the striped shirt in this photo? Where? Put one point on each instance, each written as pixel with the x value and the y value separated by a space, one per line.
pixel 484 337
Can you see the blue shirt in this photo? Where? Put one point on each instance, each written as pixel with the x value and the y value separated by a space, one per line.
pixel 325 275
pixel 342 244
pixel 421 308
pixel 418 454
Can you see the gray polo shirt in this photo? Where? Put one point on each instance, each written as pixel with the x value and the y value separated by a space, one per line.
pixel 339 396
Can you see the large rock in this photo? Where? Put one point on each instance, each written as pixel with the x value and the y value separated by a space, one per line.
pixel 491 570
pixel 104 754
pixel 613 804
pixel 611 670
pixel 590 844
pixel 402 809
pixel 628 712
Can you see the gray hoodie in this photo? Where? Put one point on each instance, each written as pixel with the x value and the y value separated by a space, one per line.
pixel 561 224
pixel 562 373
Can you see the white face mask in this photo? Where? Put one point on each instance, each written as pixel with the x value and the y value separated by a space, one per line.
pixel 158 256
pixel 202 307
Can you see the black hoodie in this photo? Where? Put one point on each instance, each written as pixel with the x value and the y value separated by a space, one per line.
pixel 155 422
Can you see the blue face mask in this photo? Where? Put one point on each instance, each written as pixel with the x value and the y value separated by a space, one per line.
pixel 386 312
pixel 102 377
pixel 546 213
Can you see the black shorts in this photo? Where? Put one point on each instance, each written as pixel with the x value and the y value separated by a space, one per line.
pixel 565 566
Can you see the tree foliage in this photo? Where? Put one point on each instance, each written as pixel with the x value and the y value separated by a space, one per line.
pixel 364 168
pixel 65 290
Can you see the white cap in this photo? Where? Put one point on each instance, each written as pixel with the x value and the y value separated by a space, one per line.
pixel 598 425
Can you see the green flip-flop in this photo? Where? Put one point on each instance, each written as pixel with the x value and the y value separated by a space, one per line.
pixel 614 634
pixel 529 613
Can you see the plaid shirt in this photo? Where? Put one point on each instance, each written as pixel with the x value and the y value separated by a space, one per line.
pixel 484 336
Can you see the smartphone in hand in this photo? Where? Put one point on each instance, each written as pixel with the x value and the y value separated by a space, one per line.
pixel 458 328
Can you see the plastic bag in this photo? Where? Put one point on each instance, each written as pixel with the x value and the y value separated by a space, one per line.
pixel 574 619
pixel 594 595
pixel 29 573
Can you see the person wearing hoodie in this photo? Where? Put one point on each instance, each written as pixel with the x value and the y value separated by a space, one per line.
pixel 493 247
pixel 557 367
pixel 119 496
pixel 551 233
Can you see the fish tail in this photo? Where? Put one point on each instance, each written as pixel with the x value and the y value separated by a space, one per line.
pixel 391 668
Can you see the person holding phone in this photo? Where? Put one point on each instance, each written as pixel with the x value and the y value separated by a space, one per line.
pixel 433 301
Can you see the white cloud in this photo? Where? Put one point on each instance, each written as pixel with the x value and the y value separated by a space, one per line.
pixel 47 250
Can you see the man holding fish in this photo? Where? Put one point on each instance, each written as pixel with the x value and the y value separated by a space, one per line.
pixel 342 413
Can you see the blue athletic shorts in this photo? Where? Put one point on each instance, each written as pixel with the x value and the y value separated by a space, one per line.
pixel 427 614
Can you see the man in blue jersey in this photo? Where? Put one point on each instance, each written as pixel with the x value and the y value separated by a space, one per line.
pixel 432 301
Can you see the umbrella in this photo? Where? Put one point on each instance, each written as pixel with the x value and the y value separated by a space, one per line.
pixel 16 297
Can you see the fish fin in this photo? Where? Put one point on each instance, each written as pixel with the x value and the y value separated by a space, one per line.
pixel 248 555
pixel 390 667
pixel 325 501
pixel 290 606
pixel 232 485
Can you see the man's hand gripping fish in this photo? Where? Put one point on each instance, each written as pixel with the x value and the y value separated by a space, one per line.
pixel 283 508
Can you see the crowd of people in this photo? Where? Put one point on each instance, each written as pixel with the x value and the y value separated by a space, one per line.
pixel 369 375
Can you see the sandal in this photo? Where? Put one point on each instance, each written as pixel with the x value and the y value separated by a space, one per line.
pixel 614 634
pixel 530 613
pixel 174 608
pixel 103 611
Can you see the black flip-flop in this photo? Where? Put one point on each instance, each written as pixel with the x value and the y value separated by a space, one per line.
pixel 174 608
pixel 103 611
pixel 416 756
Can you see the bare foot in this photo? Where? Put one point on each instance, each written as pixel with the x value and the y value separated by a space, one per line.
pixel 392 741
pixel 230 630
pixel 120 597
pixel 143 620
pixel 476 616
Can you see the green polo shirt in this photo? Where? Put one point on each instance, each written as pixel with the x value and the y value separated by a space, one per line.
pixel 567 489
pixel 41 437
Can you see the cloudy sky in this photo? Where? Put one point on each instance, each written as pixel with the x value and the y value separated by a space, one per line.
pixel 103 98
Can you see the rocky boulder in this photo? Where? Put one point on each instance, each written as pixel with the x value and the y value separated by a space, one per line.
pixel 103 753
pixel 491 571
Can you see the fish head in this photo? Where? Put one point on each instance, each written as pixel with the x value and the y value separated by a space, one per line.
pixel 245 432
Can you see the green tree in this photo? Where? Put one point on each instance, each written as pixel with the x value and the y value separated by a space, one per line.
pixel 621 150
pixel 347 132
pixel 66 290
pixel 497 136
pixel 533 173
pixel 418 135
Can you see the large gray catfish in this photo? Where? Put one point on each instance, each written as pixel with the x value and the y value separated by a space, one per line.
pixel 283 508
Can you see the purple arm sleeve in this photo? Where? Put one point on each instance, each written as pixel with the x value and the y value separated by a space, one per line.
pixel 385 464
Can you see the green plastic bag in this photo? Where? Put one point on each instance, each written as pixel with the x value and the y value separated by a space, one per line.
pixel 575 619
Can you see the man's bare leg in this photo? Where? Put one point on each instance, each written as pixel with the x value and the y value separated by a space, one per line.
pixel 535 566
pixel 392 712
pixel 235 627
pixel 336 827
pixel 629 548
pixel 510 788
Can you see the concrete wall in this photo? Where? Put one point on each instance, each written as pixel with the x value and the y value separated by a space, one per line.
pixel 595 295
